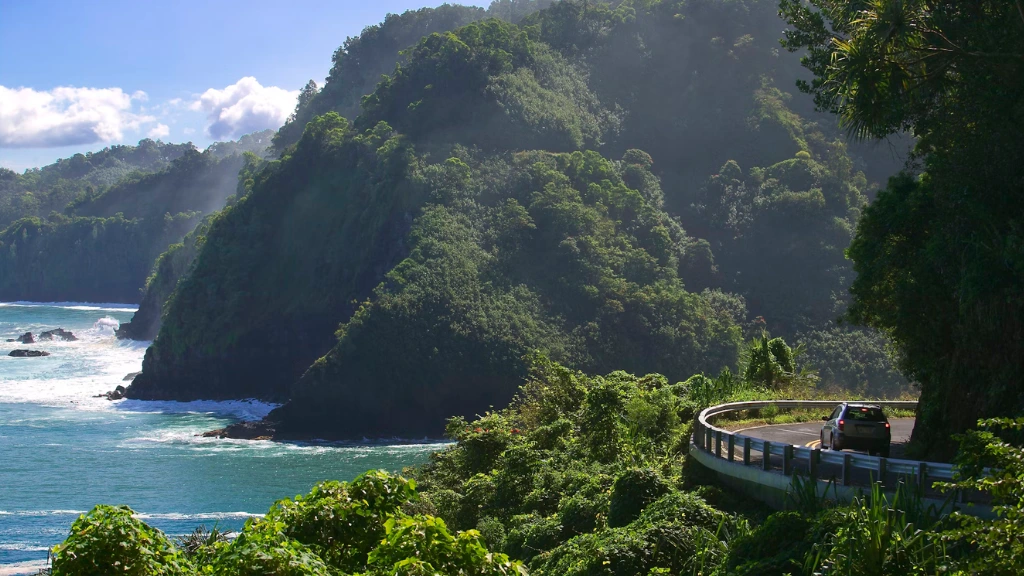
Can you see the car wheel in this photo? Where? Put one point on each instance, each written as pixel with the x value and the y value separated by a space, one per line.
pixel 885 452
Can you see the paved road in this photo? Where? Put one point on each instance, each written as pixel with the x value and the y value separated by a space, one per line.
pixel 809 434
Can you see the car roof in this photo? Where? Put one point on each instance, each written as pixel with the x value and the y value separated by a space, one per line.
pixel 861 405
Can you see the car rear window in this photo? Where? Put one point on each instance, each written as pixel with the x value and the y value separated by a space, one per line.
pixel 865 414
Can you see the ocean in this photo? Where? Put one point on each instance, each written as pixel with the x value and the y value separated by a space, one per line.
pixel 62 450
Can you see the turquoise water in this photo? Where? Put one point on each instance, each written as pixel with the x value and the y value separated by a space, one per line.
pixel 63 451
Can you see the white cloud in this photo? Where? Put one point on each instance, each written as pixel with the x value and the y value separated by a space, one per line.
pixel 244 107
pixel 188 131
pixel 158 131
pixel 66 116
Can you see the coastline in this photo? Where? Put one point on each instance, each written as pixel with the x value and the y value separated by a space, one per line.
pixel 262 430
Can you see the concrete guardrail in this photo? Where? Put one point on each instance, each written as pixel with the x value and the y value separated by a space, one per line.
pixel 729 454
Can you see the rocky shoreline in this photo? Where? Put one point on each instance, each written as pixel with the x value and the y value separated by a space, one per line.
pixel 49 335
pixel 247 430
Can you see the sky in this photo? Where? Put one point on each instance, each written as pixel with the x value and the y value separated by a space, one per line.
pixel 78 76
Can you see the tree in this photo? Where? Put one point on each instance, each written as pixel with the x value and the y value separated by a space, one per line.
pixel 306 96
pixel 939 254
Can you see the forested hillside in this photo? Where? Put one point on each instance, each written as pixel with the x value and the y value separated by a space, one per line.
pixel 101 245
pixel 490 198
pixel 567 254
pixel 39 191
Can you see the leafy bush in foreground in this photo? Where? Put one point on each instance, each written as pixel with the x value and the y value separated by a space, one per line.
pixel 263 548
pixel 338 528
pixel 342 522
pixel 110 538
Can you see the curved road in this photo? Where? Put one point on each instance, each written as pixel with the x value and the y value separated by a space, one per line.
pixel 808 434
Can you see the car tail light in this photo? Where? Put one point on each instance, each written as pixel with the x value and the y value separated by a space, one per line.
pixel 886 424
pixel 841 424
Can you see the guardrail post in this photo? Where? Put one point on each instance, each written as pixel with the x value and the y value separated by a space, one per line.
pixel 766 460
pixel 812 463
pixel 882 465
pixel 746 451
pixel 732 447
pixel 922 476
pixel 787 459
pixel 847 469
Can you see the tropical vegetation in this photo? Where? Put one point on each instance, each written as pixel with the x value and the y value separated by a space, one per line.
pixel 584 475
pixel 938 255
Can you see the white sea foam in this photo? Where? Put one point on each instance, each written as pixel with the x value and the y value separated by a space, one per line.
pixel 42 513
pixel 106 324
pixel 140 515
pixel 104 306
pixel 16 547
pixel 19 568
pixel 237 409
pixel 199 516
pixel 107 360
pixel 73 374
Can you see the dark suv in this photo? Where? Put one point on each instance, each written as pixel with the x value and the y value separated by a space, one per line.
pixel 857 426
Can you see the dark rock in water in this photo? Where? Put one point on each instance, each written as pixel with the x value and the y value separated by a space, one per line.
pixel 25 338
pixel 59 333
pixel 250 430
pixel 117 394
pixel 28 353
pixel 130 377
pixel 11 340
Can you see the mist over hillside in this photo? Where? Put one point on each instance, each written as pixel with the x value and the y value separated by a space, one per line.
pixel 90 227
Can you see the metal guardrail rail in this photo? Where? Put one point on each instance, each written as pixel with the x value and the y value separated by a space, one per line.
pixel 724 444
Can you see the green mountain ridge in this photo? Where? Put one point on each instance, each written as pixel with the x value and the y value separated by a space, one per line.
pixel 392 225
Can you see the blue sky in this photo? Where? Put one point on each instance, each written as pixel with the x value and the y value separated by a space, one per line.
pixel 78 76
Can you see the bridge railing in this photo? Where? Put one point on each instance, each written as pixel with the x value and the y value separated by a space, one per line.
pixel 725 445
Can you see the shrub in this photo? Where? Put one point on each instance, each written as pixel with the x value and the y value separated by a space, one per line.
pixel 477 493
pixel 343 522
pixel 110 539
pixel 492 531
pixel 551 436
pixel 200 545
pixel 884 535
pixel 778 546
pixel 584 511
pixel 632 551
pixel 423 545
pixel 532 535
pixel 482 443
pixel 514 478
pixel 633 491
pixel 615 552
pixel 263 548
pixel 687 509
pixel 448 504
